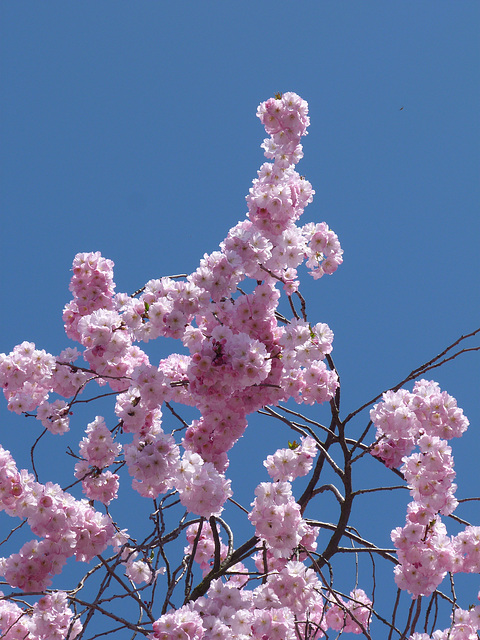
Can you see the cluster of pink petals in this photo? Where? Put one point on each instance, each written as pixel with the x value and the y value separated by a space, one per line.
pixel 352 616
pixel 285 119
pixel 109 350
pixel 92 287
pixel 99 448
pixel 98 451
pixel 164 309
pixel 277 519
pixel 202 489
pixel 403 416
pixel 277 199
pixel 229 612
pixel 466 547
pixel 184 624
pixel 425 553
pixel 204 545
pixel 11 482
pixel 49 619
pixel 295 587
pixel 226 362
pixel 318 384
pixel 265 560
pixel 305 375
pixel 28 376
pixel 67 527
pixel 279 195
pixel 289 605
pixel 430 474
pixel 25 376
pixel 246 243
pixel 294 462
pixel 437 411
pixel 97 485
pixel 218 274
pixel 465 624
pixel 425 417
pixel 323 249
pixel 302 343
pixel 397 427
pixel 138 408
pixel 216 432
pixel 153 462
pixel 67 379
pixel 138 570
pixel 54 416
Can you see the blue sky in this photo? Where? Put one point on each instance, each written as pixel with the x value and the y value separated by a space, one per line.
pixel 129 128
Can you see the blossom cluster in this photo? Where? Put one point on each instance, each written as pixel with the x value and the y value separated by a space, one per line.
pixel 200 538
pixel 98 451
pixel 92 287
pixel 289 605
pixel 465 624
pixel 403 416
pixel 292 601
pixel 153 462
pixel 25 376
pixel 28 375
pixel 425 554
pixel 49 619
pixel 425 418
pixel 67 527
pixel 352 616
pixel 201 487
pixel 294 462
pixel 277 518
pixel 137 569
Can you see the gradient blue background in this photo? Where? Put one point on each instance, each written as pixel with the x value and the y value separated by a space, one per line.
pixel 129 128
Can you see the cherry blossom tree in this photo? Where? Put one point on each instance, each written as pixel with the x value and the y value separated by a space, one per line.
pixel 246 347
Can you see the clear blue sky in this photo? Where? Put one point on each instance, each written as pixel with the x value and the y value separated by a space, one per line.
pixel 129 128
